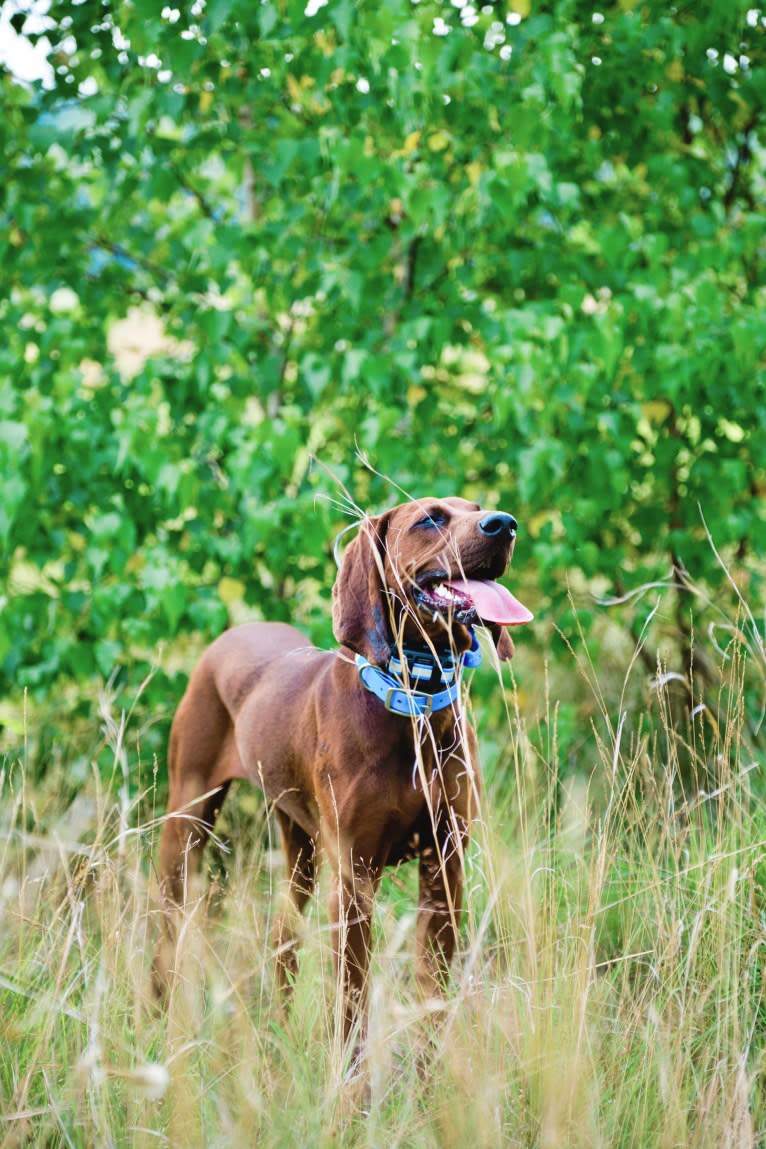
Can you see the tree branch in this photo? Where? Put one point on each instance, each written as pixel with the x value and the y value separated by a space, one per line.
pixel 188 186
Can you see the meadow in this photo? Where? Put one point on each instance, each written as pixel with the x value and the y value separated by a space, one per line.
pixel 268 267
pixel 609 990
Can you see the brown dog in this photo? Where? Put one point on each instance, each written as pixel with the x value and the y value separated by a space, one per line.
pixel 364 750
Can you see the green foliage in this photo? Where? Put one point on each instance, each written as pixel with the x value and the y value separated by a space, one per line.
pixel 512 253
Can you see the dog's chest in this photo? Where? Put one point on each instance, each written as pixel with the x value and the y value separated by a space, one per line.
pixel 426 777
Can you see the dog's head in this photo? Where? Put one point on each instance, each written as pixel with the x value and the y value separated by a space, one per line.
pixel 424 571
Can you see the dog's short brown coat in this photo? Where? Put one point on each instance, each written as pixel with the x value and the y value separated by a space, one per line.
pixel 370 787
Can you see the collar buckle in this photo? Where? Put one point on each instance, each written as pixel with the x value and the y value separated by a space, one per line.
pixel 420 704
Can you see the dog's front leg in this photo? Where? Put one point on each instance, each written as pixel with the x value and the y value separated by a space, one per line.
pixel 351 917
pixel 441 890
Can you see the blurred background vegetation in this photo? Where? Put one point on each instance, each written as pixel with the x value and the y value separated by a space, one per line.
pixel 512 251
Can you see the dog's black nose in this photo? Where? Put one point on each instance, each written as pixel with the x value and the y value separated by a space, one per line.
pixel 498 524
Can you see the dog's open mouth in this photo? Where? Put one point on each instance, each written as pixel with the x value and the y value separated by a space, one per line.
pixel 470 600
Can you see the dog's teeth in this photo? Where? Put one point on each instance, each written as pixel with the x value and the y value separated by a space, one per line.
pixel 436 616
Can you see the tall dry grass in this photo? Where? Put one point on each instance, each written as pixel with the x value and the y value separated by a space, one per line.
pixel 609 992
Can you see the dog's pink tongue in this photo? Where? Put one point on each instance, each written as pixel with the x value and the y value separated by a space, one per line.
pixel 493 602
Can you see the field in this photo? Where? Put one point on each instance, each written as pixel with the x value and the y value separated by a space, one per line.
pixel 609 991
pixel 268 268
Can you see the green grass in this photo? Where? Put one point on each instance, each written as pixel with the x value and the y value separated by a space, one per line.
pixel 609 992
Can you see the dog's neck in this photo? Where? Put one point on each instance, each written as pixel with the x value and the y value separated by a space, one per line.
pixel 418 680
pixel 429 669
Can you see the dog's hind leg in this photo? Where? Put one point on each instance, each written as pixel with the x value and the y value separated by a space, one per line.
pixel 186 831
pixel 201 742
pixel 300 855
pixel 200 759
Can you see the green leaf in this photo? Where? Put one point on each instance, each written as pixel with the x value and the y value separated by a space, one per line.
pixel 316 373
pixel 217 12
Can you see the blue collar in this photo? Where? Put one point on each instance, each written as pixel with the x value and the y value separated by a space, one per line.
pixel 445 669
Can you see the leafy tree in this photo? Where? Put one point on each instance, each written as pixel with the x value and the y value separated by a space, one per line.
pixel 506 250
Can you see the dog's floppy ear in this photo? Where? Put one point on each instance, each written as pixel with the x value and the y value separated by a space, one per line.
pixel 503 641
pixel 359 609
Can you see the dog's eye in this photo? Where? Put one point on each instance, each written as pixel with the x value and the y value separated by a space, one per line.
pixel 433 520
